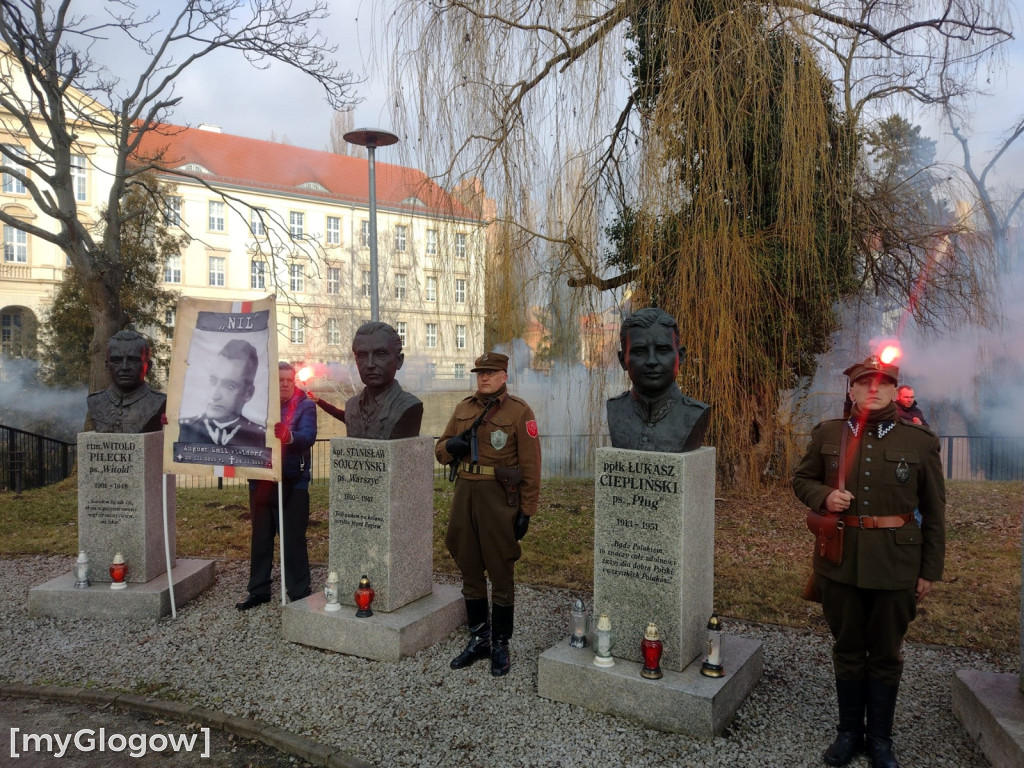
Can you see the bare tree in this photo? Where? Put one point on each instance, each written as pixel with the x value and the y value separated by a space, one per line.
pixel 52 91
pixel 719 141
pixel 343 121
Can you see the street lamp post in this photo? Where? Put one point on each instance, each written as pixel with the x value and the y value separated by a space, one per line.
pixel 371 138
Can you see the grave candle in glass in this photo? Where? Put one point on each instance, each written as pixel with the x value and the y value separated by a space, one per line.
pixel 651 648
pixel 712 666
pixel 363 597
pixel 82 571
pixel 604 641
pixel 118 572
pixel 578 620
pixel 331 592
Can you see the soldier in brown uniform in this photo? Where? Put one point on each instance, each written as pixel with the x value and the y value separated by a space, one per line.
pixel 492 441
pixel 888 562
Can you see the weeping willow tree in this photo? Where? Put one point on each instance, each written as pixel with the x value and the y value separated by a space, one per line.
pixel 703 156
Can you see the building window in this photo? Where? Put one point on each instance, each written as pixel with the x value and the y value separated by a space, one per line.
pixel 169 318
pixel 431 335
pixel 366 282
pixel 297 330
pixel 399 237
pixel 432 242
pixel 78 177
pixel 460 370
pixel 296 280
pixel 333 230
pixel 334 280
pixel 431 289
pixel 333 331
pixel 13 186
pixel 460 291
pixel 402 330
pixel 296 224
pixel 10 330
pixel 15 245
pixel 364 233
pixel 216 216
pixel 258 274
pixel 172 269
pixel 256 223
pixel 172 210
pixel 460 245
pixel 460 337
pixel 217 270
pixel 400 286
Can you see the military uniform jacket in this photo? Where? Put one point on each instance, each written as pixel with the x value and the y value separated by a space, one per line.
pixel 892 468
pixel 507 438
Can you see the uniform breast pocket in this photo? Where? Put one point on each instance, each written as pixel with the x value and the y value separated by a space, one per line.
pixel 830 460
pixel 901 468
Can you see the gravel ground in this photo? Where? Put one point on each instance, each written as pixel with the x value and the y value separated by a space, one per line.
pixel 418 712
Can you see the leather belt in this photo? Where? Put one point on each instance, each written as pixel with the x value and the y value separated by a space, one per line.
pixel 875 521
pixel 476 469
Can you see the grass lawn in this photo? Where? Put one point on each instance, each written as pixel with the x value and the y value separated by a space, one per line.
pixel 762 551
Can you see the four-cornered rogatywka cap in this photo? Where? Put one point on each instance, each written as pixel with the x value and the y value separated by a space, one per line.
pixel 871 366
pixel 491 361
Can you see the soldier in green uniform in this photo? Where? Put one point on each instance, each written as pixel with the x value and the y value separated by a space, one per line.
pixel 873 470
pixel 492 444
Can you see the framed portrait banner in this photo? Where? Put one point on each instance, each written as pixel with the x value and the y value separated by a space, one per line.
pixel 222 394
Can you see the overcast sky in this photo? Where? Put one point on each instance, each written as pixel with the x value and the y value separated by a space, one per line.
pixel 279 101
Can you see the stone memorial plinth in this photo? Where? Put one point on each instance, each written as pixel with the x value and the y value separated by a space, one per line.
pixel 120 509
pixel 381 526
pixel 991 707
pixel 654 548
pixel 120 503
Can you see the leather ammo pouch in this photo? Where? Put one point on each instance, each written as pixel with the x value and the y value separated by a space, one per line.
pixel 828 534
pixel 510 478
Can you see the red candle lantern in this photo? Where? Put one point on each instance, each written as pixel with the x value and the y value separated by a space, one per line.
pixel 118 572
pixel 363 597
pixel 651 647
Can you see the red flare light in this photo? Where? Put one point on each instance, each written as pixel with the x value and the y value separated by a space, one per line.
pixel 305 374
pixel 890 354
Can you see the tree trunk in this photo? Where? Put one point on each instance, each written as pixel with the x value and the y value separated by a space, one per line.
pixel 107 319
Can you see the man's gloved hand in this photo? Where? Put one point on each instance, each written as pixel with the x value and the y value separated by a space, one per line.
pixel 282 433
pixel 520 526
pixel 457 446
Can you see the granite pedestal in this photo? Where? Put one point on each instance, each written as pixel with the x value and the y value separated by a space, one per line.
pixel 120 504
pixel 381 526
pixel 990 706
pixel 680 702
pixel 120 509
pixel 654 548
pixel 58 597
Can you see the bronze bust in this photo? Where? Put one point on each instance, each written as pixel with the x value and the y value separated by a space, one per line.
pixel 654 415
pixel 383 410
pixel 128 404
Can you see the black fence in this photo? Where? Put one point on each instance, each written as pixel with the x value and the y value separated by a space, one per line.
pixel 28 460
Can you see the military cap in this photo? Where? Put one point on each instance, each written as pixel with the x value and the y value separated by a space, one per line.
pixel 870 366
pixel 491 361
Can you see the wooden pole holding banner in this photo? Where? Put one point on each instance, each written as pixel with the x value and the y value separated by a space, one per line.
pixel 167 553
pixel 280 535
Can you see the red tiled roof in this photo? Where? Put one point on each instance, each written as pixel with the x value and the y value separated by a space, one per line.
pixel 271 166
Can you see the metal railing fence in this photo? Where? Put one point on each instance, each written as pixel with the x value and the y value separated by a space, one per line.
pixel 28 460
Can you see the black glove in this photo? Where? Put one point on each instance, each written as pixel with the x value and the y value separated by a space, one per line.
pixel 457 446
pixel 520 526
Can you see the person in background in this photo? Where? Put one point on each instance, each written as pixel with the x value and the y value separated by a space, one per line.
pixel 907 408
pixel 297 433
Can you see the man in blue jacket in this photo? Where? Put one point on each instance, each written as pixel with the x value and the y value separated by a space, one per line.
pixel 297 433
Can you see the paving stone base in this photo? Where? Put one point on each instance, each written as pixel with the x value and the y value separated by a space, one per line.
pixel 991 707
pixel 59 599
pixel 680 702
pixel 383 636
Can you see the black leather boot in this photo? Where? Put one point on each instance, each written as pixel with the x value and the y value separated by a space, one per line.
pixel 850 731
pixel 502 619
pixel 881 697
pixel 479 646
